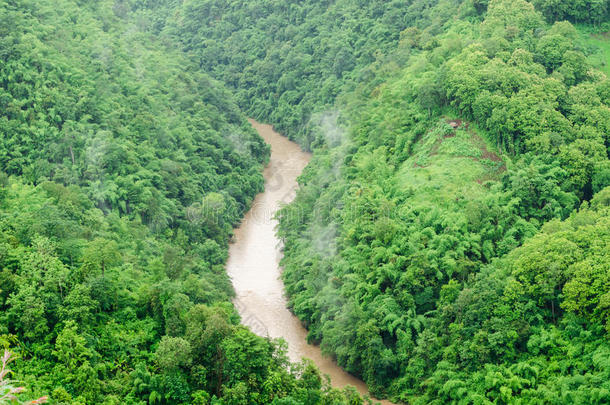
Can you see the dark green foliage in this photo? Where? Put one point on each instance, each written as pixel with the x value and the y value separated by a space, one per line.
pixel 588 11
pixel 290 59
pixel 85 107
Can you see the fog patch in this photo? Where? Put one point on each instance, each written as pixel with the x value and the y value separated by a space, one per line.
pixel 326 126
pixel 239 142
pixel 324 239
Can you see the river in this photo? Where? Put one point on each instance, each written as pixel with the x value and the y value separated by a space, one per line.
pixel 254 256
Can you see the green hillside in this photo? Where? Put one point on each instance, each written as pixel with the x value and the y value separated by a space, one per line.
pixel 597 41
pixel 442 284
pixel 124 168
pixel 448 245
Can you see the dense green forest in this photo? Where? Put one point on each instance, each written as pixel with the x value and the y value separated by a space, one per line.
pixel 427 252
pixel 449 243
pixel 288 60
pixel 439 245
pixel 124 168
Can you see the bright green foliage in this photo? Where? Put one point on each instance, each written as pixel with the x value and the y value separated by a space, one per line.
pixel 449 243
pixel 534 315
pixel 456 157
pixel 123 169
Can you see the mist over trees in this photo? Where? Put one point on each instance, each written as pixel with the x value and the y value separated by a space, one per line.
pixel 124 168
pixel 449 242
pixel 452 264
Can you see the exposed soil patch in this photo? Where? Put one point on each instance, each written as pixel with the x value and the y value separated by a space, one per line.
pixel 490 155
pixel 486 154
pixel 488 177
pixel 602 35
pixel 457 124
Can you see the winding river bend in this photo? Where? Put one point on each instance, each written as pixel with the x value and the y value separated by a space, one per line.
pixel 254 256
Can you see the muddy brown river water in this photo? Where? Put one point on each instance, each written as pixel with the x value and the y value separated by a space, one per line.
pixel 254 256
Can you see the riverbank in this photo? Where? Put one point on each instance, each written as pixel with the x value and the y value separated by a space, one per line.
pixel 254 256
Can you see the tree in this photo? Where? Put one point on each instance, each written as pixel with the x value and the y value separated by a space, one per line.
pixel 173 352
pixel 27 312
pixel 247 358
pixel 70 348
pixel 79 306
pixel 100 255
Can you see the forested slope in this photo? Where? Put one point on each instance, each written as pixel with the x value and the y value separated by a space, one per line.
pixel 437 163
pixel 416 252
pixel 123 168
pixel 288 60
pixel 449 243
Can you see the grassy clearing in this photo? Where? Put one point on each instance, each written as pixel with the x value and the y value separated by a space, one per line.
pixel 597 42
pixel 450 165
